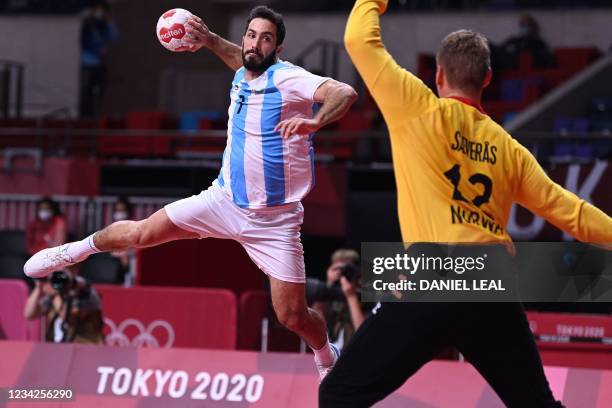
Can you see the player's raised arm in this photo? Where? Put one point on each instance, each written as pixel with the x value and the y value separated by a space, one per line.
pixel 562 208
pixel 336 98
pixel 200 36
pixel 397 92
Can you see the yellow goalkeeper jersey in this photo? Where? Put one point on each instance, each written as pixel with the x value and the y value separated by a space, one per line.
pixel 457 171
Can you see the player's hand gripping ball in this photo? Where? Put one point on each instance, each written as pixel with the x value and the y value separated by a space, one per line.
pixel 171 31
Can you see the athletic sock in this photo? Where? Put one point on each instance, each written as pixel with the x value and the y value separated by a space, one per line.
pixel 79 250
pixel 324 356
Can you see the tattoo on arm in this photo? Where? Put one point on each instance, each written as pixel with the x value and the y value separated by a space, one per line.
pixel 336 103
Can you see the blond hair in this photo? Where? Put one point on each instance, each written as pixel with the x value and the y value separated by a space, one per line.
pixel 465 57
pixel 345 255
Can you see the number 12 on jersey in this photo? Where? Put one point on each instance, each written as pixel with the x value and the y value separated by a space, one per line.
pixel 454 176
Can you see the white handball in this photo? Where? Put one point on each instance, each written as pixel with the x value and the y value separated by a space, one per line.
pixel 171 31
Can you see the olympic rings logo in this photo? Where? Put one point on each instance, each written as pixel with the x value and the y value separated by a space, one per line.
pixel 145 336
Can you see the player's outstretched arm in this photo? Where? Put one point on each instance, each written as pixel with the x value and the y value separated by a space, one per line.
pixel 562 208
pixel 397 92
pixel 336 98
pixel 363 41
pixel 199 35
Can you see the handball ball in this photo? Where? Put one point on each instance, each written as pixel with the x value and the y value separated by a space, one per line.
pixel 171 28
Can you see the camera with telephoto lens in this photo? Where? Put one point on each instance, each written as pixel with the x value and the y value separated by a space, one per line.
pixel 350 272
pixel 61 282
pixel 318 291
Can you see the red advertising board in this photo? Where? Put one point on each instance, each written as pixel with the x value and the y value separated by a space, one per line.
pixel 102 376
pixel 169 317
pixel 570 326
pixel 573 340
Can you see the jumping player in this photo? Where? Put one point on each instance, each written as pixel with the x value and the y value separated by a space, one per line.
pixel 450 159
pixel 267 168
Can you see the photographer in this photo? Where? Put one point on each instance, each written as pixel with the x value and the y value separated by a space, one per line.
pixel 338 298
pixel 72 308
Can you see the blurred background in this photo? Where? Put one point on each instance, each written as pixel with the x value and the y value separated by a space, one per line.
pixel 97 116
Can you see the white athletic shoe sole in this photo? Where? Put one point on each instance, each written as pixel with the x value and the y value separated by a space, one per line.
pixel 326 369
pixel 47 261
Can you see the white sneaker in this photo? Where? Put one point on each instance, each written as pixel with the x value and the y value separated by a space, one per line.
pixel 326 369
pixel 47 261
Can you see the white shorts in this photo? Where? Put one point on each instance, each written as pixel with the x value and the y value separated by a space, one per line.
pixel 271 236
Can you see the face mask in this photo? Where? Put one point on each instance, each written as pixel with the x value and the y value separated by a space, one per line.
pixel 45 215
pixel 120 215
pixel 524 30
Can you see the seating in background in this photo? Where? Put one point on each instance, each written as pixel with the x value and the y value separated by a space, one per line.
pixel 199 120
pixel 11 266
pixel 512 90
pixel 140 145
pixel 13 254
pixel 571 125
pixel 102 268
pixel 12 242
pixel 255 306
pixel 149 120
pixel 600 114
pixel 526 89
pixel 597 119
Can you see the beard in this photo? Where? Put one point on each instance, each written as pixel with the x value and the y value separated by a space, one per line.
pixel 252 65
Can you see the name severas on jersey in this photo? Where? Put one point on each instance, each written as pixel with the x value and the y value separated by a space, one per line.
pixel 477 151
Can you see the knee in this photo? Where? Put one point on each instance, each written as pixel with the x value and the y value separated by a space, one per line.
pixel 292 319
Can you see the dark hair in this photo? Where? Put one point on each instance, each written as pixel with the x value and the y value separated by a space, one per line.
pixel 465 57
pixel 128 206
pixel 55 208
pixel 267 13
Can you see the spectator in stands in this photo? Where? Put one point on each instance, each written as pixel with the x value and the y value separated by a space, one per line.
pixel 48 228
pixel 338 298
pixel 527 40
pixel 71 306
pixel 97 31
pixel 122 210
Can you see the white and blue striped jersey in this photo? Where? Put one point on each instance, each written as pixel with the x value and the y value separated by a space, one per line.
pixel 260 168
